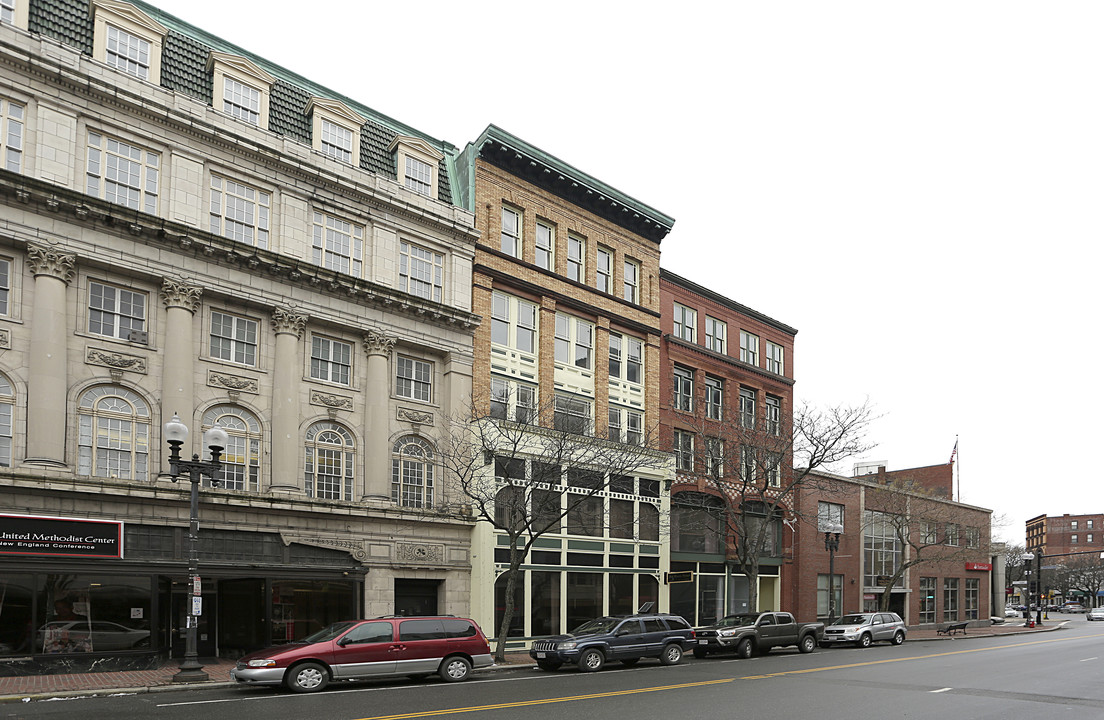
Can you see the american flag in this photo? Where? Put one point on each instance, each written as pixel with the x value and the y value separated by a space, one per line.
pixel 954 452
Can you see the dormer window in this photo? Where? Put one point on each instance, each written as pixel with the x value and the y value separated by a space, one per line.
pixel 335 130
pixel 240 88
pixel 416 162
pixel 127 39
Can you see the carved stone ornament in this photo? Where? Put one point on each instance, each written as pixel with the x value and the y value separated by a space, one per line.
pixel 331 401
pixel 376 343
pixel 287 321
pixel 5 339
pixel 357 548
pixel 417 417
pixel 233 383
pixel 115 361
pixel 420 552
pixel 176 292
pixel 47 260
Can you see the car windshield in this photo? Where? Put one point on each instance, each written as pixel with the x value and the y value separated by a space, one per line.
pixel 328 633
pixel 598 625
pixel 852 620
pixel 737 620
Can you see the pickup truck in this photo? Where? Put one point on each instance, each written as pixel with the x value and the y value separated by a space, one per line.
pixel 750 633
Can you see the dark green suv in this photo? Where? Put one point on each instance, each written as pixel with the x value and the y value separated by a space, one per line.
pixel 624 638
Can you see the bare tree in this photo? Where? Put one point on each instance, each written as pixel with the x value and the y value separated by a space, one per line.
pixel 1081 572
pixel 529 470
pixel 750 472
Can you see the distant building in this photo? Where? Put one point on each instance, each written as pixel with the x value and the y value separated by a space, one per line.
pixel 1066 534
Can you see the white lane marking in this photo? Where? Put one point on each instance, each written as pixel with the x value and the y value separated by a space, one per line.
pixel 1089 659
pixel 941 690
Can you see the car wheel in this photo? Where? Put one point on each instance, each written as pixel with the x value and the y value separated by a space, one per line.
pixel 672 655
pixel 548 665
pixel 864 640
pixel 629 662
pixel 455 669
pixel 308 677
pixel 807 644
pixel 591 660
pixel 898 637
pixel 745 649
pixel 700 653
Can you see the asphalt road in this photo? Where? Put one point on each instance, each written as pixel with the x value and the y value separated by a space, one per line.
pixel 1041 676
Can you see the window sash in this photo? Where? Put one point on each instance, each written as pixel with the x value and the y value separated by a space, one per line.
pixel 511 232
pixel 331 360
pixel 684 389
pixel 114 311
pixel 421 271
pixel 749 348
pixel 338 244
pixel 414 379
pixel 241 100
pixel 337 141
pixel 714 398
pixel 122 173
pixel 233 338
pixel 544 248
pixel 715 334
pixel 419 176
pixel 11 135
pixel 239 212
pixel 630 282
pixel 603 271
pixel 127 52
pixel 685 326
pixel 575 252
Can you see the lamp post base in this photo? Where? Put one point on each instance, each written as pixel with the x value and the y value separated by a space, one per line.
pixel 190 671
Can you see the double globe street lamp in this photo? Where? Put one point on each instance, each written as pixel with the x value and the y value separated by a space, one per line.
pixel 176 432
pixel 831 543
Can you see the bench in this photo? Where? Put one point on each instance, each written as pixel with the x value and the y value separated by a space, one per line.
pixel 952 628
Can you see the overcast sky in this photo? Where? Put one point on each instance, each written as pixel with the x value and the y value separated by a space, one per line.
pixel 916 187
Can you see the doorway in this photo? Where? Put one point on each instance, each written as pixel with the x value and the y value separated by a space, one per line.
pixel 416 597
pixel 206 628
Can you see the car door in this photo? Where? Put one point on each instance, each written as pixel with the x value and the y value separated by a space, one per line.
pixel 655 633
pixel 627 640
pixel 365 651
pixel 768 632
pixel 422 645
pixel 882 629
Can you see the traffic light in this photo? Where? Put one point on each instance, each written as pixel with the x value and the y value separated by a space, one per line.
pixel 1032 587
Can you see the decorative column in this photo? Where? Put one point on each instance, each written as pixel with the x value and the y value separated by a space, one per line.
pixel 286 466
pixel 377 419
pixel 47 378
pixel 181 300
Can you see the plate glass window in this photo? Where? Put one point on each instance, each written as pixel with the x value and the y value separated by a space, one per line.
pixel 239 212
pixel 414 379
pixel 127 52
pixel 331 360
pixel 421 271
pixel 749 348
pixel 11 134
pixel 123 173
pixel 337 141
pixel 233 339
pixel 338 244
pixel 114 311
pixel 511 232
pixel 685 323
pixel 241 101
pixel 419 176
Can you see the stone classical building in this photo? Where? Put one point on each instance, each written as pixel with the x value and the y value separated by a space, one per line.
pixel 566 277
pixel 186 228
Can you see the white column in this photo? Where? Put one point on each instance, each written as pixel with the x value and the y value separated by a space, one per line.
pixel 377 420
pixel 47 379
pixel 287 465
pixel 181 300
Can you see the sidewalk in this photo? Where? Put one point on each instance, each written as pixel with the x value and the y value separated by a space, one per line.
pixel 39 687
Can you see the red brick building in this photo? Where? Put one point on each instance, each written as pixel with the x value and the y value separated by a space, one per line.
pixel 1065 534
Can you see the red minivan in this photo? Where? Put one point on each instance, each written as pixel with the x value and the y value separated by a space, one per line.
pixel 360 649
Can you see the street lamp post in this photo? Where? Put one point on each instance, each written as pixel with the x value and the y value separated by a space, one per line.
pixel 1027 558
pixel 215 439
pixel 831 544
pixel 1039 586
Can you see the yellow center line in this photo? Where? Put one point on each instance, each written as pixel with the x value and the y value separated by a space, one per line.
pixel 896 660
pixel 546 701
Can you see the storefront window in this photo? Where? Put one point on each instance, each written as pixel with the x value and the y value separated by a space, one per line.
pixel 738 594
pixel 92 613
pixel 621 594
pixel 303 607
pixel 647 591
pixel 710 599
pixel 584 598
pixel 546 603
pixel 16 592
pixel 517 620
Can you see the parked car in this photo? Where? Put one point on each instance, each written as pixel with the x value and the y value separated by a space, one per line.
pixel 1010 611
pixel 1096 613
pixel 625 638
pixel 863 629
pixel 1072 607
pixel 380 647
pixel 750 633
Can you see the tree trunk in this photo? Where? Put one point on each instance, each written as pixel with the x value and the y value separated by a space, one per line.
pixel 511 590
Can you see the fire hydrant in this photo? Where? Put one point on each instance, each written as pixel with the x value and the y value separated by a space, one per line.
pixel 1031 623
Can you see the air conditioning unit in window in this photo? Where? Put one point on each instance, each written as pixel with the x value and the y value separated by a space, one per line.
pixel 140 337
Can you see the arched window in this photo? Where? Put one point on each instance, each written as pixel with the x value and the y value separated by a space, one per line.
pixel 113 434
pixel 331 457
pixel 241 460
pixel 412 472
pixel 7 404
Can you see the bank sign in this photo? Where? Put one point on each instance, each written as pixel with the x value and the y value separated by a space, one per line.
pixel 60 537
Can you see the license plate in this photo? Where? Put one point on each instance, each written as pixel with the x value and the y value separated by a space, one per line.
pixel 541 656
pixel 703 642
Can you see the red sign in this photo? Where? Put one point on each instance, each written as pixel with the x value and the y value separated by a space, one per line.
pixel 979 566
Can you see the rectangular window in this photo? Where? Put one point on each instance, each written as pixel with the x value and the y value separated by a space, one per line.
pixel 952 534
pixel 603 271
pixel 576 248
pixel 747 408
pixel 684 389
pixel 773 467
pixel 1088 524
pixel 511 232
pixel 128 53
pixel 684 450
pixel 331 360
pixel 714 457
pixel 686 323
pixel 1073 538
pixel 773 418
pixel 1089 538
pixel 950 599
pixel 419 176
pixel 513 323
pixel 749 348
pixel 114 311
pixel 626 425
pixel 630 285
pixel 7 11
pixel 233 339
pixel 545 246
pixel 239 212
pixel 714 398
pixel 972 599
pixel 927 600
pixel 626 359
pixel 11 134
pixel 716 335
pixel 882 551
pixel 338 244
pixel 513 400
pixel 241 101
pixel 572 414
pixel 414 379
pixel 1073 524
pixel 123 173
pixel 829 514
pixel 337 141
pixel 5 286
pixel 973 537
pixel 747 463
pixel 774 359
pixel 929 532
pixel 822 595
pixel 421 272
pixel 574 341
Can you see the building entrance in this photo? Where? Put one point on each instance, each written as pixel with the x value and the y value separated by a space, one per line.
pixel 416 597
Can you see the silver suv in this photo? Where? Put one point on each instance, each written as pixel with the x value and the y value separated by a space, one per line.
pixel 865 628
